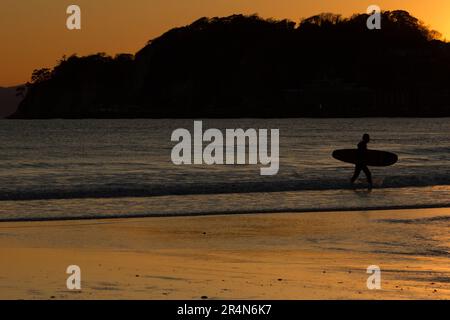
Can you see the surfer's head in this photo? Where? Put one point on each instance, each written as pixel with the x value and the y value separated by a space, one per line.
pixel 366 138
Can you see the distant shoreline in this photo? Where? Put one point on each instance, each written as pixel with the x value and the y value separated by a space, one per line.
pixel 243 66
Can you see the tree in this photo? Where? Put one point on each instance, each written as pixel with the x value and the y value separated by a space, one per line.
pixel 41 75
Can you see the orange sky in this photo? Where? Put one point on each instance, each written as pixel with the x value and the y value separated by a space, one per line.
pixel 33 33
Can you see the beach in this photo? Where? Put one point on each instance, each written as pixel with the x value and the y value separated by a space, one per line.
pixel 320 255
pixel 250 151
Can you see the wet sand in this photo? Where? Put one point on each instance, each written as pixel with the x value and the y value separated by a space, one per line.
pixel 255 256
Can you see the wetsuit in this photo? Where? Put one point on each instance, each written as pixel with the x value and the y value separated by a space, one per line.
pixel 360 165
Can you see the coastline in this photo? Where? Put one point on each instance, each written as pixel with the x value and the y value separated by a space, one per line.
pixel 258 256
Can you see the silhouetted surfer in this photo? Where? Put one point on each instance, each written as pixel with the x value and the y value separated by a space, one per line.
pixel 361 165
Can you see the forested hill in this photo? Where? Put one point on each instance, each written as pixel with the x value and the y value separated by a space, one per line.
pixel 246 66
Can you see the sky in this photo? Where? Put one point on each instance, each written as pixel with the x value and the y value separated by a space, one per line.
pixel 33 33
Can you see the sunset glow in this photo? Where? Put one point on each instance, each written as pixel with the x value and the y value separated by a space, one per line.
pixel 33 32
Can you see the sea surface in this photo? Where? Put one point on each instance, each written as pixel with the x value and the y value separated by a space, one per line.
pixel 65 169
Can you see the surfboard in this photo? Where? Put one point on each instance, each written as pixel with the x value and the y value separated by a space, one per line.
pixel 373 158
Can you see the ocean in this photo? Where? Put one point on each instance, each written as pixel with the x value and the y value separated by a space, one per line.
pixel 68 169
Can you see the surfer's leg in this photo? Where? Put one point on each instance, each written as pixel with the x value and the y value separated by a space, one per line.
pixel 356 174
pixel 368 175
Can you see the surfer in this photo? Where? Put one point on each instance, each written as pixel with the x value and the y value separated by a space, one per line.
pixel 361 164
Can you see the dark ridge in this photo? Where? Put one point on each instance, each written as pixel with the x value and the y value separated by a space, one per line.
pixel 245 66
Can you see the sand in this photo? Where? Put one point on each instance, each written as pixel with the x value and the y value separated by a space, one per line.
pixel 256 256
